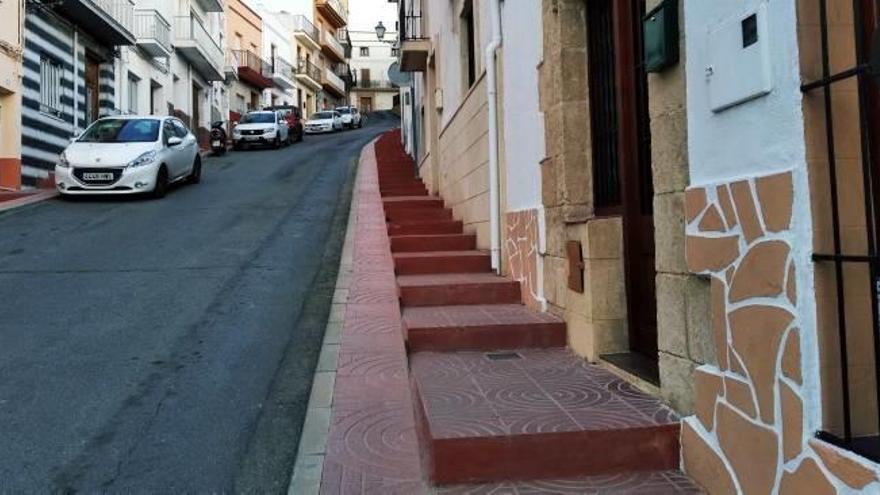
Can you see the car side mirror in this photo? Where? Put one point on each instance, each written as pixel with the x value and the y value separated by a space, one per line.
pixel 75 136
pixel 174 141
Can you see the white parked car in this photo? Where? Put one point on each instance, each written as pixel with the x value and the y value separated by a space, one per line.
pixel 130 154
pixel 326 121
pixel 351 117
pixel 264 128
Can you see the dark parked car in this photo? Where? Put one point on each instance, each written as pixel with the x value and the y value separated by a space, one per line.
pixel 293 115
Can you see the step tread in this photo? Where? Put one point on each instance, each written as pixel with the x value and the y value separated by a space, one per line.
pixel 440 254
pixel 467 395
pixel 477 315
pixel 646 482
pixel 403 199
pixel 441 279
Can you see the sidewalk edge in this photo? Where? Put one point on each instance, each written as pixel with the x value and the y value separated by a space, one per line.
pixel 27 200
pixel 309 466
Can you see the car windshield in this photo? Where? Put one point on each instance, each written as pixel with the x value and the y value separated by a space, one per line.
pixel 322 116
pixel 258 118
pixel 343 110
pixel 122 131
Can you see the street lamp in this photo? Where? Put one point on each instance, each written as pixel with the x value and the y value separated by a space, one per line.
pixel 380 31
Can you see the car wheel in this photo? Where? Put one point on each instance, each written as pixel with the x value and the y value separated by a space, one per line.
pixel 195 176
pixel 161 186
pixel 277 143
pixel 236 146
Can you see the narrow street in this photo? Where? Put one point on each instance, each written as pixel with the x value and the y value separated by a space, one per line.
pixel 168 345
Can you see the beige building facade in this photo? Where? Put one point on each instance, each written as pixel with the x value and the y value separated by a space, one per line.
pixel 11 53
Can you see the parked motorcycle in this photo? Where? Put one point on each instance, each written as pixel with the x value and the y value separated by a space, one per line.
pixel 218 138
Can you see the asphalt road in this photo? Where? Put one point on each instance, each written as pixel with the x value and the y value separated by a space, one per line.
pixel 168 346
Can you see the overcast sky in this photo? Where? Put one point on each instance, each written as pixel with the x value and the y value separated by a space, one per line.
pixel 364 14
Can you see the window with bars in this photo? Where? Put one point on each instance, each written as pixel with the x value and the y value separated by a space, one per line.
pixel 365 51
pixel 604 119
pixel 51 73
pixel 133 81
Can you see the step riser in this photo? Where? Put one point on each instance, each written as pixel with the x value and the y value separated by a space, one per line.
pixel 426 244
pixel 455 264
pixel 485 338
pixel 543 455
pixel 400 184
pixel 403 192
pixel 425 228
pixel 391 206
pixel 417 214
pixel 455 295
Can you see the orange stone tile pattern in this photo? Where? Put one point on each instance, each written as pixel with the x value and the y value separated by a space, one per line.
pixel 730 445
pixel 522 253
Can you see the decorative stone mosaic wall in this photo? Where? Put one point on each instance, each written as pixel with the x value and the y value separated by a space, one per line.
pixel 748 433
pixel 522 254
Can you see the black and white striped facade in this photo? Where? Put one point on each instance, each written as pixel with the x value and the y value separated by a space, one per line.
pixel 46 133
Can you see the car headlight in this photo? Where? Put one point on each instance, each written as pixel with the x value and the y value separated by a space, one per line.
pixel 144 159
pixel 62 160
pixel 268 130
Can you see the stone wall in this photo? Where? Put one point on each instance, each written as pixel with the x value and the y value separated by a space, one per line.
pixel 748 434
pixel 684 338
pixel 463 160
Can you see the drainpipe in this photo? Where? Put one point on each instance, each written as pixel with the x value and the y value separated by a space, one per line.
pixel 492 92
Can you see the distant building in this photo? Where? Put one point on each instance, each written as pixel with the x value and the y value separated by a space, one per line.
pixel 370 60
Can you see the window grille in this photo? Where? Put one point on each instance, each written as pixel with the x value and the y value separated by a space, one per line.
pixel 51 73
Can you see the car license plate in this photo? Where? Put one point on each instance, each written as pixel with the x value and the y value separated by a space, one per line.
pixel 98 176
pixel 215 143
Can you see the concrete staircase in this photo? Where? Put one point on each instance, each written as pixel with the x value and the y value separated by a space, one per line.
pixel 498 396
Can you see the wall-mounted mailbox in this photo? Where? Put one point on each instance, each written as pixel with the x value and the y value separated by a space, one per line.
pixel 660 33
pixel 739 67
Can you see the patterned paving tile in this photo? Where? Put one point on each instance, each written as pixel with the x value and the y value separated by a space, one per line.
pixel 650 483
pixel 527 395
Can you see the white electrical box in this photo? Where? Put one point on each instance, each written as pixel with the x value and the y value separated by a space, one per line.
pixel 739 67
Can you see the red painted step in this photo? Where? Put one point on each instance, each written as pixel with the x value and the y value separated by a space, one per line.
pixel 425 227
pixel 534 414
pixel 445 242
pixel 409 191
pixel 484 327
pixel 457 288
pixel 411 202
pixel 417 214
pixel 441 262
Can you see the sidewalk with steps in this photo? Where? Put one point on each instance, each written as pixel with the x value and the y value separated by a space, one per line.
pixel 454 386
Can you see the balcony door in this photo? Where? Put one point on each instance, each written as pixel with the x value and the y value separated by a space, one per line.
pixel 93 89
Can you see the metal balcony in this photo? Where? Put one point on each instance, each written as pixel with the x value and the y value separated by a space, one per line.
pixel 332 11
pixel 305 32
pixel 308 74
pixel 110 21
pixel 253 70
pixel 414 46
pixel 375 85
pixel 198 47
pixel 332 83
pixel 331 47
pixel 282 73
pixel 230 66
pixel 153 32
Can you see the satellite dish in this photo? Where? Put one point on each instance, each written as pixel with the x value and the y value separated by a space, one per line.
pixel 402 79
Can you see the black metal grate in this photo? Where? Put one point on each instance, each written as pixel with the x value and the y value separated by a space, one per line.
pixel 864 17
pixel 604 120
pixel 502 356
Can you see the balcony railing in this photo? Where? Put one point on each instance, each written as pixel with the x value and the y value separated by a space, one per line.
pixel 152 31
pixel 254 69
pixel 329 41
pixel 410 21
pixel 111 21
pixel 333 11
pixel 309 69
pixel 333 80
pixel 375 84
pixel 283 67
pixel 190 33
pixel 303 25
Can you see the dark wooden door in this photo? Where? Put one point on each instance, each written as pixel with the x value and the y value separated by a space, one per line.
pixel 637 181
pixel 93 89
